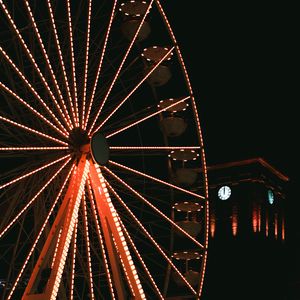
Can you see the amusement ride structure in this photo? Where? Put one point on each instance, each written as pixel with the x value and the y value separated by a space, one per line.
pixel 100 143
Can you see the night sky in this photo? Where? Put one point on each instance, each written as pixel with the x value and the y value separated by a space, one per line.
pixel 241 61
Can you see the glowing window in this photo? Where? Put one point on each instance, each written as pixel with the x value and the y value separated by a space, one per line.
pixel 270 196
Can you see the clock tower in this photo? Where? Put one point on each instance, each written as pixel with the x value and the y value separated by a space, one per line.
pixel 247 231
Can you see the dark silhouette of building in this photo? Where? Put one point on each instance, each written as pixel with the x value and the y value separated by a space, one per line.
pixel 247 249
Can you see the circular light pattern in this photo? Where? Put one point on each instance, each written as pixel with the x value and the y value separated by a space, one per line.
pixel 187 255
pixel 224 192
pixel 182 106
pixel 134 8
pixel 187 206
pixel 183 155
pixel 156 53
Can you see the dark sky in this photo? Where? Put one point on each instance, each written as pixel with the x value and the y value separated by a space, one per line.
pixel 241 63
pixel 241 59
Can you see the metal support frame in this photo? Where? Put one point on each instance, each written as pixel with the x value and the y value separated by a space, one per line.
pixel 62 227
pixel 118 252
pixel 46 277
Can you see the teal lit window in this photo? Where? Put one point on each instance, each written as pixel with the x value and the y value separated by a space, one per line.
pixel 270 196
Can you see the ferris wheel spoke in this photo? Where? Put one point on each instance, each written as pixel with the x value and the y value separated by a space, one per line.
pixel 153 148
pixel 29 85
pixel 86 63
pixel 141 260
pixel 9 121
pixel 38 193
pixel 121 65
pixel 29 54
pixel 154 208
pixel 149 236
pixel 130 94
pixel 40 234
pixel 61 60
pixel 39 38
pixel 101 241
pixel 39 115
pixel 87 239
pixel 32 148
pixel 156 179
pixel 146 118
pixel 73 62
pixel 72 82
pixel 100 64
pixel 34 171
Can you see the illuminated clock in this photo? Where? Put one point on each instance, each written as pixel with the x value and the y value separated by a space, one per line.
pixel 224 192
pixel 270 196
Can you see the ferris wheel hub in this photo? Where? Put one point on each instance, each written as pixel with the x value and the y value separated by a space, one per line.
pixel 79 141
pixel 99 148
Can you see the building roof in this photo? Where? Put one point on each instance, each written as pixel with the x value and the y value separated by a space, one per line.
pixel 251 161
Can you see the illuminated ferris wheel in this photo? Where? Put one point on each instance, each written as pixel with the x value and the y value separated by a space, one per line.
pixel 103 190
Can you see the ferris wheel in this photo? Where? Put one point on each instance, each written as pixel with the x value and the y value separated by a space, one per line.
pixel 103 186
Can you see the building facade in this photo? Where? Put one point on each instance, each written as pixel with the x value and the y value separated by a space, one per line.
pixel 247 251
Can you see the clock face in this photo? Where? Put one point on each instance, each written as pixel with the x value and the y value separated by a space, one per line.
pixel 224 192
pixel 270 196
